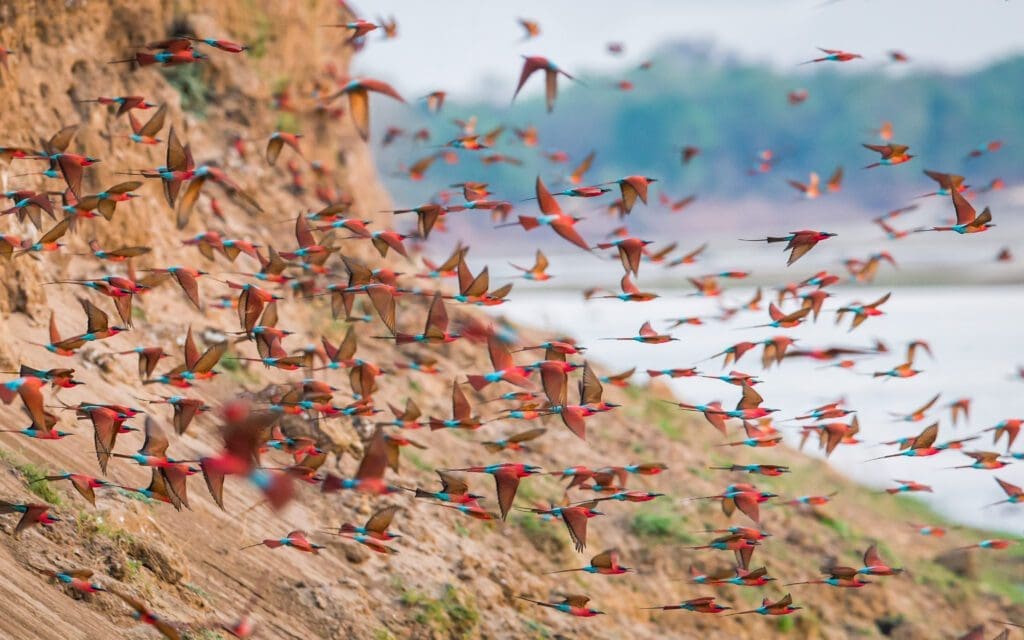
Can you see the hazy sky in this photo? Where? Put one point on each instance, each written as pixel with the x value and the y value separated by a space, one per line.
pixel 453 44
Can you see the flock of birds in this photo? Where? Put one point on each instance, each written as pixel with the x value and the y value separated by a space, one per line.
pixel 365 296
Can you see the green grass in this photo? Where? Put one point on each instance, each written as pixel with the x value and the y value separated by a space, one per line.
pixel 196 589
pixel 548 537
pixel 660 522
pixel 89 526
pixel 840 527
pixel 452 615
pixel 34 476
pixel 259 41
pixel 37 484
pixel 188 80
pixel 132 568
pixel 415 460
pixel 785 624
pixel 536 630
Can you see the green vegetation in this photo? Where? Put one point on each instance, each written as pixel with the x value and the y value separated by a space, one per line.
pixel 840 527
pixel 196 589
pixel 37 483
pixel 693 95
pixel 451 615
pixel 785 624
pixel 536 630
pixel 264 31
pixel 652 410
pixel 415 460
pixel 189 82
pixel 547 537
pixel 34 476
pixel 89 526
pixel 661 522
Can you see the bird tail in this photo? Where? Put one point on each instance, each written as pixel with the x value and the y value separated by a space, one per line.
pixel 478 382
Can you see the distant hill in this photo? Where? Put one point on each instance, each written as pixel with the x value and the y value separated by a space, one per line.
pixel 695 95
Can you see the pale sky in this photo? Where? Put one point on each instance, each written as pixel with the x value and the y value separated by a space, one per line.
pixel 453 44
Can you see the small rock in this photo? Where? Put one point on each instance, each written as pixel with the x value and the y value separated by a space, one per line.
pixel 355 554
pixel 959 562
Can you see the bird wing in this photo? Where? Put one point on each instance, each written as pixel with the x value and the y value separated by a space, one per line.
pixel 156 441
pixel 380 521
pixel 545 200
pixel 154 124
pixel 374 459
pixel 506 482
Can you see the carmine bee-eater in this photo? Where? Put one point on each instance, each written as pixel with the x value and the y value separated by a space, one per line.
pixel 770 470
pixel 834 55
pixel 630 292
pixel 780 607
pixel 891 154
pixel 295 539
pixel 845 577
pixel 514 442
pixel 575 518
pixel 1010 427
pixel 575 605
pixel 697 605
pixel 506 479
pixel 743 496
pixel 748 408
pixel 369 476
pixel 908 486
pixel 991 543
pixel 798 242
pixel 358 91
pixel 632 188
pixel 986 460
pixel 453 490
pixel 462 413
pixel 532 64
pixel 647 335
pixel 552 216
pixel 374 534
pixel 605 563
pixel 31 514
pixel 1014 494
pixel 967 219
pixel 505 369
pixel 921 445
pixel 861 312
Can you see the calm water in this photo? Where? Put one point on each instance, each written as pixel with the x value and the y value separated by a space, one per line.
pixel 975 333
